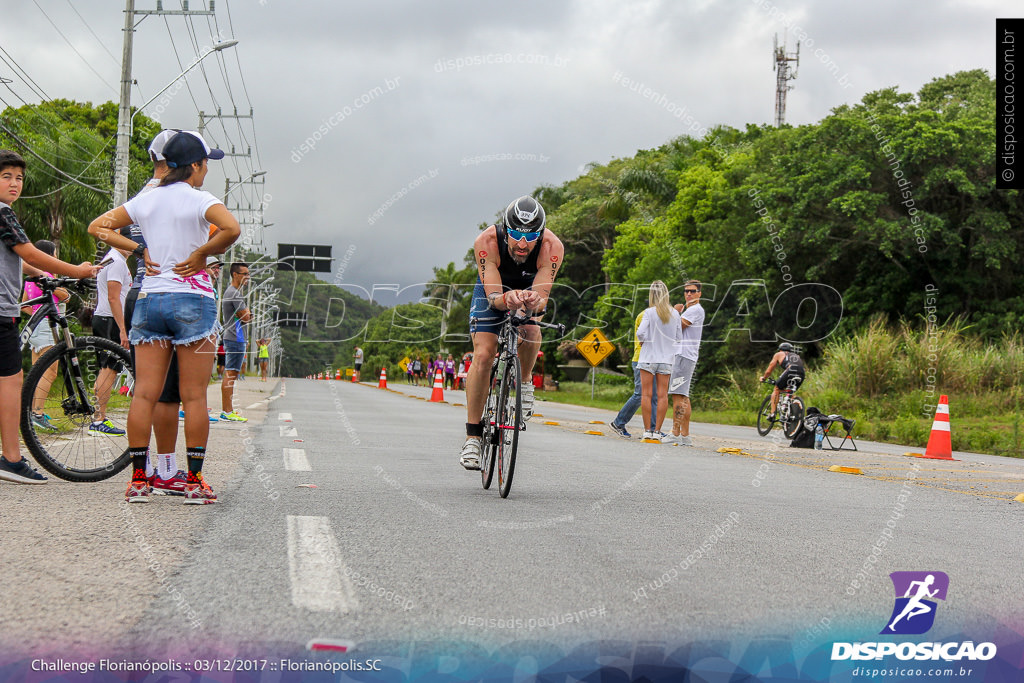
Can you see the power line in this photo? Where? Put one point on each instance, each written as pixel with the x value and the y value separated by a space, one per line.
pixel 102 44
pixel 31 151
pixel 35 110
pixel 84 60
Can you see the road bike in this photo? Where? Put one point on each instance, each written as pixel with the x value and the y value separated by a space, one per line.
pixel 503 410
pixel 789 411
pixel 62 386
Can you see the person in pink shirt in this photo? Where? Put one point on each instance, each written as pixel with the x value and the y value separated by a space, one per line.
pixel 41 340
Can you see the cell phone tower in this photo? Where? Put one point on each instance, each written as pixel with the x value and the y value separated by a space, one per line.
pixel 783 74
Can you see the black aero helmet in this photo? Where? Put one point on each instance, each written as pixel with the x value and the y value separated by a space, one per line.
pixel 525 215
pixel 785 346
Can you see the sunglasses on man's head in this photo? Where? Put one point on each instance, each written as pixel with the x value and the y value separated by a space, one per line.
pixel 528 236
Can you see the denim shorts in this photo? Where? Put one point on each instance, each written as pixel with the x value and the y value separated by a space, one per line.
pixel 181 317
pixel 234 355
pixel 656 368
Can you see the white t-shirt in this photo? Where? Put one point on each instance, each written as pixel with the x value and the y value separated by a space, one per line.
pixel 115 272
pixel 659 339
pixel 690 344
pixel 174 225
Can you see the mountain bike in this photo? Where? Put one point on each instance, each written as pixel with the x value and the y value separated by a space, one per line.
pixel 62 386
pixel 789 411
pixel 503 410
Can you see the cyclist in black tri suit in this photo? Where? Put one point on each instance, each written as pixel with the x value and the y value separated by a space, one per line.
pixel 516 262
pixel 792 370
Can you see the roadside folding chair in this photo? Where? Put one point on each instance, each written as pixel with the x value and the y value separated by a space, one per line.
pixel 838 422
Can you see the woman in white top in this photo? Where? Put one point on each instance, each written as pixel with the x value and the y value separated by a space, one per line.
pixel 177 302
pixel 660 334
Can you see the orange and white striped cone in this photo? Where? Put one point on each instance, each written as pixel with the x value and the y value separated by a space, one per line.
pixel 437 395
pixel 940 443
pixel 337 375
pixel 383 382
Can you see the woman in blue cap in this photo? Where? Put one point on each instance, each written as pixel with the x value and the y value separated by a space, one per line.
pixel 176 304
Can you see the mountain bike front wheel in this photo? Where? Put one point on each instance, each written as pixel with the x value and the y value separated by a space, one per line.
pixel 63 388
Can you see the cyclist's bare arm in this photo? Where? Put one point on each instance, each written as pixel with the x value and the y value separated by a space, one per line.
pixel 771 366
pixel 549 260
pixel 485 251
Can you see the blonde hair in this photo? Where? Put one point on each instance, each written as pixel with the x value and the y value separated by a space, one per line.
pixel 659 299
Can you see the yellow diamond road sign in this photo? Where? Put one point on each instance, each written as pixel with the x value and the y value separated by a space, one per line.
pixel 595 347
pixel 404 363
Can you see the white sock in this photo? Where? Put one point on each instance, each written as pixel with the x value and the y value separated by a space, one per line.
pixel 151 463
pixel 167 465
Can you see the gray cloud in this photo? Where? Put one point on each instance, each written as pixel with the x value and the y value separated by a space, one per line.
pixel 456 98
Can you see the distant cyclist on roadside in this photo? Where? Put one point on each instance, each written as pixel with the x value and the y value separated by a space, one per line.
pixel 516 264
pixel 792 371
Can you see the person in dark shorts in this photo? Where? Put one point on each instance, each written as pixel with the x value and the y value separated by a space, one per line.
pixel 112 286
pixel 793 371
pixel 356 375
pixel 517 260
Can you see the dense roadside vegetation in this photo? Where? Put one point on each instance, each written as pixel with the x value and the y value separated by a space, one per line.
pixel 874 238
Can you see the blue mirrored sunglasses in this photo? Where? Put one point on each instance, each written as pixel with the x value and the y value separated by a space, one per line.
pixel 528 236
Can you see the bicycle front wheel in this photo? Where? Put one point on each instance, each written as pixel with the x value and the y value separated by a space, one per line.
pixel 510 418
pixel 796 417
pixel 764 419
pixel 64 386
pixel 490 422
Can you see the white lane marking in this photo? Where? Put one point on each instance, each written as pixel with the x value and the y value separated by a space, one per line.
pixel 315 564
pixel 295 459
pixel 285 417
pixel 288 431
pixel 267 401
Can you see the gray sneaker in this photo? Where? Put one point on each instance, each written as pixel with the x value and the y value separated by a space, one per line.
pixel 671 439
pixel 685 441
pixel 470 455
pixel 42 421
pixel 527 401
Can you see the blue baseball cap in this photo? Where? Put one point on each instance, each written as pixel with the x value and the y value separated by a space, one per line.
pixel 188 147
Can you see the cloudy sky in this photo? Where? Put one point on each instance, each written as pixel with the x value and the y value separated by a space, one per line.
pixel 390 130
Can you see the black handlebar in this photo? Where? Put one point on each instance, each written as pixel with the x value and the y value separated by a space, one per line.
pixel 519 321
pixel 49 284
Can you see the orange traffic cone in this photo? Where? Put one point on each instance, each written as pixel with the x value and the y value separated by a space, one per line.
pixel 338 375
pixel 383 383
pixel 437 395
pixel 940 445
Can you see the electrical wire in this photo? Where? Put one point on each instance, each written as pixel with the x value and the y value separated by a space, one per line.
pixel 71 45
pixel 102 44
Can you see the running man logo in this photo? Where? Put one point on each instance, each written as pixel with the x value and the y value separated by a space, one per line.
pixel 914 611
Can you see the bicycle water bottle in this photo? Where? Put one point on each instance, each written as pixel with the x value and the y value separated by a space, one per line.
pixel 819 436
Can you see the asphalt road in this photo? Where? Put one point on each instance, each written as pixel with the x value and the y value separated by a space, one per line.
pixel 344 514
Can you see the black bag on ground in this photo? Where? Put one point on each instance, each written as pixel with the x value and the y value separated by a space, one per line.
pixel 805 435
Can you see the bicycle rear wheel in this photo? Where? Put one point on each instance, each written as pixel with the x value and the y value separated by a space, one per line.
pixel 510 418
pixel 65 381
pixel 764 420
pixel 796 417
pixel 490 440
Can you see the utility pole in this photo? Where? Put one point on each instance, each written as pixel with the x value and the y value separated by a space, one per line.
pixel 783 74
pixel 124 110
